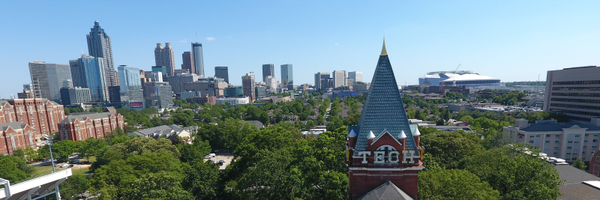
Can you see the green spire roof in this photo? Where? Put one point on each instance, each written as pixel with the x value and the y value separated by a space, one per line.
pixel 383 109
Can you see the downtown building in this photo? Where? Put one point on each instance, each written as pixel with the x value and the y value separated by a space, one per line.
pixel 81 126
pixel 575 92
pixel 90 72
pixel 222 72
pixel 248 85
pixel 287 76
pixel 47 79
pixel 339 78
pixel 198 59
pixel 99 46
pixel 75 95
pixel 188 62
pixel 383 152
pixel 165 57
pixel 323 81
pixel 268 70
pixel 131 85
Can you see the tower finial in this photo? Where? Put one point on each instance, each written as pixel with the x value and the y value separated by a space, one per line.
pixel 383 51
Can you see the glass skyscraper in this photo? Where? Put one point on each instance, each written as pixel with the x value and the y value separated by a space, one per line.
pixel 47 79
pixel 222 72
pixel 89 72
pixel 268 70
pixel 99 46
pixel 198 58
pixel 131 84
pixel 287 76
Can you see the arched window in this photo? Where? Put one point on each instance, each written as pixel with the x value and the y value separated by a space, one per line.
pixel 387 149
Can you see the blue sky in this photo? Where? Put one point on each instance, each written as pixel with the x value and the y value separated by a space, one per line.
pixel 510 40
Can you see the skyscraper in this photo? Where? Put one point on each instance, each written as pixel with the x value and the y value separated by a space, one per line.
pixel 198 58
pixel 99 46
pixel 268 70
pixel 339 78
pixel 89 72
pixel 164 57
pixel 131 85
pixel 287 76
pixel 222 72
pixel 47 79
pixel 188 62
pixel 319 80
pixel 355 75
pixel 248 85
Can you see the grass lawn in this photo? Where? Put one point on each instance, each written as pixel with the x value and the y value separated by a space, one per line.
pixel 43 170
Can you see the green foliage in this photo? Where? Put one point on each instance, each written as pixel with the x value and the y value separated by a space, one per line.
pixel 226 134
pixel 453 184
pixel 14 169
pixel 448 148
pixel 201 179
pixel 514 174
pixel 195 151
pixel 579 164
pixel 61 150
pixel 74 186
pixel 160 185
pixel 92 146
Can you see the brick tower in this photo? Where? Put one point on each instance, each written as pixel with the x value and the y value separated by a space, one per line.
pixel 384 155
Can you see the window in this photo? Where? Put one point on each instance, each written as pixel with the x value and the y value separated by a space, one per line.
pixel 555 142
pixel 594 147
pixel 531 141
pixel 568 154
pixel 596 136
pixel 598 158
pixel 556 148
pixel 531 136
pixel 570 141
pixel 569 147
pixel 584 147
pixel 538 135
pixel 585 141
pixel 576 147
pixel 547 141
pixel 576 141
pixel 571 136
pixel 548 135
pixel 595 140
pixel 596 168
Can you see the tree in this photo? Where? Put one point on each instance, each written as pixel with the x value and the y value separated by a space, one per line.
pixel 92 146
pixel 514 174
pixel 579 164
pixel 31 154
pixel 195 151
pixel 201 179
pixel 61 150
pixel 74 186
pixel 453 184
pixel 14 169
pixel 161 185
pixel 448 148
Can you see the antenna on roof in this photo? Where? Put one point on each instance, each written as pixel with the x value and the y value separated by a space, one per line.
pixel 457 68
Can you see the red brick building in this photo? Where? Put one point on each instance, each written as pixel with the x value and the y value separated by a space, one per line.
pixel 594 166
pixel 384 154
pixel 81 126
pixel 40 114
pixel 16 135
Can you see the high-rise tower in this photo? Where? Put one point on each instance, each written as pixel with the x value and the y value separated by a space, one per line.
pixel 99 46
pixel 198 58
pixel 248 86
pixel 188 62
pixel 222 72
pixel 287 76
pixel 47 79
pixel 89 72
pixel 384 155
pixel 268 70
pixel 165 57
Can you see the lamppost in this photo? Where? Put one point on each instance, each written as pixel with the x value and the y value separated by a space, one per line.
pixel 50 142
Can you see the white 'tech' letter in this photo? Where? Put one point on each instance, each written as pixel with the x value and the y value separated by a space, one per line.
pixel 379 157
pixel 408 155
pixel 392 155
pixel 364 155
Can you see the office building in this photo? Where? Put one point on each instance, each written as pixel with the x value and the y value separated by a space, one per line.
pixel 571 140
pixel 165 95
pixel 75 95
pixel 458 78
pixel 272 84
pixel 131 85
pixel 179 80
pixel 211 86
pixel 287 76
pixel 89 72
pixel 319 78
pixel 355 76
pixel 47 79
pixel 165 57
pixel 268 70
pixel 222 72
pixel 198 59
pixel 248 86
pixel 339 78
pixel 99 46
pixel 233 91
pixel 114 93
pixel 189 94
pixel 260 91
pixel 384 154
pixel 212 100
pixel 234 101
pixel 575 92
pixel 154 76
pixel 188 62
pixel 81 126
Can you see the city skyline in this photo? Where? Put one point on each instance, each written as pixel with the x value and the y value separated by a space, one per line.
pixel 511 40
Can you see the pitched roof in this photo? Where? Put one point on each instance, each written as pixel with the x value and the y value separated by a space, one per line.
pixel 384 108
pixel 13 125
pixel 553 126
pixel 386 191
pixel 162 131
pixel 83 116
pixel 573 186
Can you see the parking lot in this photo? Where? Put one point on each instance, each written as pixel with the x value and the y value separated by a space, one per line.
pixel 227 160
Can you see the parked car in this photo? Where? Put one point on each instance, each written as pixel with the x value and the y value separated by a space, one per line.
pixel 75 161
pixel 212 155
pixel 222 161
pixel 85 162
